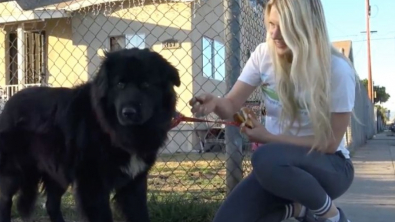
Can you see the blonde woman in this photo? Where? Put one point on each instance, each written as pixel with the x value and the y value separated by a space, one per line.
pixel 309 96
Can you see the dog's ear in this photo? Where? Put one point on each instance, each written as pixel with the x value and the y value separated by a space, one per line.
pixel 173 75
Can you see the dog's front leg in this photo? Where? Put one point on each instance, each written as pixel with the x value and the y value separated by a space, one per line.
pixel 93 199
pixel 132 200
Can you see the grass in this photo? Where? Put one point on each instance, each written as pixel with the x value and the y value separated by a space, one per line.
pixel 181 210
pixel 171 209
pixel 182 188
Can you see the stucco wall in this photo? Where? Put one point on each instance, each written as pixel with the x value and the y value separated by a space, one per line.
pixel 2 57
pixel 67 59
pixel 10 9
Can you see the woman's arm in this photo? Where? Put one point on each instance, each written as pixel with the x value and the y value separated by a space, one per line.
pixel 249 79
pixel 233 101
pixel 339 124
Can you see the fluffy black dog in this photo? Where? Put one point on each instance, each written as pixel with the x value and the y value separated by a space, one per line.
pixel 99 137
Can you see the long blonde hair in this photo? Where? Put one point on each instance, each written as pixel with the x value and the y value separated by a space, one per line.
pixel 306 82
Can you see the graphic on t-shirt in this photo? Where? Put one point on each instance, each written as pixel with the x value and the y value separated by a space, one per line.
pixel 269 92
pixel 273 98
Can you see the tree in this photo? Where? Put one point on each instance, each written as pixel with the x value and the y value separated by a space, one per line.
pixel 382 112
pixel 381 95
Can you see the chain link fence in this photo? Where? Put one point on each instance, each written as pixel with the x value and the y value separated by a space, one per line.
pixel 365 123
pixel 60 45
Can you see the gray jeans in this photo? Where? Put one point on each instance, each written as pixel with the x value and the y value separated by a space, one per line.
pixel 283 174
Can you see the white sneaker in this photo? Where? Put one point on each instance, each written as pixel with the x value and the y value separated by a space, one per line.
pixel 309 217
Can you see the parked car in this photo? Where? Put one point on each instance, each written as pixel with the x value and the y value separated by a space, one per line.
pixel 392 127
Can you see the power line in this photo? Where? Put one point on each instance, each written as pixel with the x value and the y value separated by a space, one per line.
pixel 376 39
pixel 356 35
pixel 377 12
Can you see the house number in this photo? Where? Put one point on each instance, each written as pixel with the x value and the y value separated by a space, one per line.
pixel 171 44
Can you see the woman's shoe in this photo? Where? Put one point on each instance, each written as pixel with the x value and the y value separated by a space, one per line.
pixel 343 217
pixel 309 217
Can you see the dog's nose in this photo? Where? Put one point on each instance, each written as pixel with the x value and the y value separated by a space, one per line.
pixel 129 112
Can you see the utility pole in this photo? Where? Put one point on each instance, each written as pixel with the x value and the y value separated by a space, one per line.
pixel 370 81
pixel 233 138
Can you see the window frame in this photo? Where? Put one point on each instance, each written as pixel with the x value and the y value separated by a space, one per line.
pixel 125 36
pixel 215 53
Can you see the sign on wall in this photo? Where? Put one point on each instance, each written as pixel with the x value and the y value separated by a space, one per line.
pixel 171 44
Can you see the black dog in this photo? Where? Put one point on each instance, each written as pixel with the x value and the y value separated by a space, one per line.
pixel 100 137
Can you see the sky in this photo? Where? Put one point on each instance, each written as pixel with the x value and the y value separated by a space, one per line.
pixel 346 19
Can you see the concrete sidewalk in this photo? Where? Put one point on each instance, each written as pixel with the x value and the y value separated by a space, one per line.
pixel 371 198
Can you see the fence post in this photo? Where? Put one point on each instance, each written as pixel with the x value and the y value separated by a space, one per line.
pixel 234 142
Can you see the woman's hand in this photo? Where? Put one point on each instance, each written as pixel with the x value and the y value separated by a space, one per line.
pixel 258 133
pixel 203 105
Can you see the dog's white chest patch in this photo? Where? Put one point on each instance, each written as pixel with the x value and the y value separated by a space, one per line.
pixel 136 165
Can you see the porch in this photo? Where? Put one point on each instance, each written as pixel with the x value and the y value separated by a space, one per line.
pixel 27 58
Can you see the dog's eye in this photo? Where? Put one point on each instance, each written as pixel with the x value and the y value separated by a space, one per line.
pixel 145 85
pixel 121 85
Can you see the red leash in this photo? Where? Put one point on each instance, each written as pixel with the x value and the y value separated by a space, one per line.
pixel 181 118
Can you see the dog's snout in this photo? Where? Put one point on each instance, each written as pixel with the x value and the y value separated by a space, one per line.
pixel 129 112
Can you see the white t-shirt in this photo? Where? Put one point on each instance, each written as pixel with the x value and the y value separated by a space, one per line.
pixel 259 71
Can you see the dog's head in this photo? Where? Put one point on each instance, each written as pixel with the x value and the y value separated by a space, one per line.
pixel 135 84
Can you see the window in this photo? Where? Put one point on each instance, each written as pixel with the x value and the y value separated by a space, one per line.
pixel 34 58
pixel 127 41
pixel 213 59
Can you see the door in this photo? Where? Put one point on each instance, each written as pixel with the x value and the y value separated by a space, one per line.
pixel 33 64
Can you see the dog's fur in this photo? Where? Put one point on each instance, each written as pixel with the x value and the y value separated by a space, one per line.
pixel 100 137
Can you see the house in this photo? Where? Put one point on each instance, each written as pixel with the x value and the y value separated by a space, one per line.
pixel 345 47
pixel 62 44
